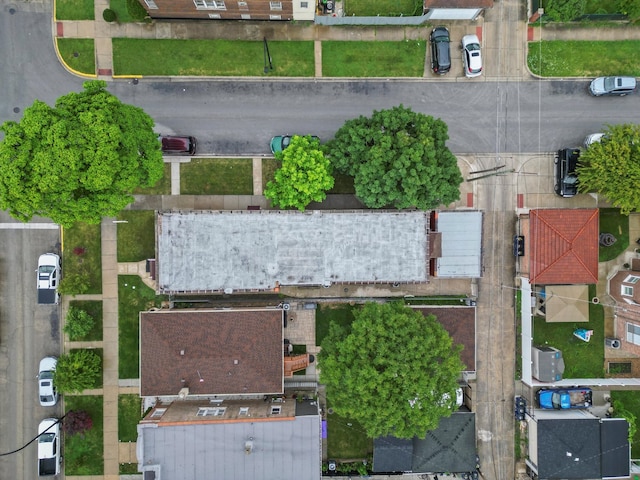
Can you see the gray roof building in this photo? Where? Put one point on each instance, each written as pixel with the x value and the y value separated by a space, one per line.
pixel 577 445
pixel 461 255
pixel 259 250
pixel 449 448
pixel 253 448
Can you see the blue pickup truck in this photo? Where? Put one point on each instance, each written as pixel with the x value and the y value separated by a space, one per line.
pixel 563 398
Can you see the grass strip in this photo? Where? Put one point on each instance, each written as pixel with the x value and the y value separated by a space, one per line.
pixel 373 59
pixel 78 54
pixel 582 58
pixel 223 176
pixel 211 57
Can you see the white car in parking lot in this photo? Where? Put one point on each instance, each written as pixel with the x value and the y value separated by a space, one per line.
pixel 471 56
pixel 593 138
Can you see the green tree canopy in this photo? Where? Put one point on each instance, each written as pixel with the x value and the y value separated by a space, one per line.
pixel 611 167
pixel 77 161
pixel 564 10
pixel 398 158
pixel 77 371
pixel 304 177
pixel 391 370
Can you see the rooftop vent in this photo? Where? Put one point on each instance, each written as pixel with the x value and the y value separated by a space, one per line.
pixel 248 447
pixel 182 394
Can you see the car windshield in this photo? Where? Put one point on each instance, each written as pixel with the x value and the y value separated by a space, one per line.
pixel 46 399
pixel 555 400
pixel 47 269
pixel 46 375
pixel 609 83
pixel 47 438
pixel 472 47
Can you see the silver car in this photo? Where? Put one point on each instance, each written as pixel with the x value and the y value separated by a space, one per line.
pixel 620 86
pixel 471 56
pixel 47 392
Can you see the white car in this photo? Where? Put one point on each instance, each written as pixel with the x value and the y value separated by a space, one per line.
pixel 48 278
pixel 593 138
pixel 47 392
pixel 49 447
pixel 471 56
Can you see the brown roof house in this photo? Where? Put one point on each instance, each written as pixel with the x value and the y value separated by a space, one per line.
pixel 561 246
pixel 215 382
pixel 460 322
pixel 622 355
pixel 211 352
pixel 455 9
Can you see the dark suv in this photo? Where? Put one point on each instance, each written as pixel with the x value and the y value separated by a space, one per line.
pixel 440 54
pixel 177 145
pixel 564 174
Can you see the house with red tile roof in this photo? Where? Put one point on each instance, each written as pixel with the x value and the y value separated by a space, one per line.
pixel 561 246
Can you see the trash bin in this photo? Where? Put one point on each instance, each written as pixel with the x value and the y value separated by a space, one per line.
pixel 612 342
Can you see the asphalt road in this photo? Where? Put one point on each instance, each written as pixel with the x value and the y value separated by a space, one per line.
pixel 232 117
pixel 28 332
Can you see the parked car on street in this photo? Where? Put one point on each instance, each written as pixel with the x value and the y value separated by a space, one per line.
pixel 178 145
pixel 471 56
pixel 612 86
pixel 440 51
pixel 48 278
pixel 47 392
pixel 593 138
pixel 49 447
pixel 564 398
pixel 564 174
pixel 280 142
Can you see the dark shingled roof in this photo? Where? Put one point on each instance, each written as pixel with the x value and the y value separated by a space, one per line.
pixel 614 434
pixel 569 448
pixel 233 352
pixel 449 448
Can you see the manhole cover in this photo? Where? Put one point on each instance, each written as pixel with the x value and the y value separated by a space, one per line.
pixel 16 110
pixel 12 11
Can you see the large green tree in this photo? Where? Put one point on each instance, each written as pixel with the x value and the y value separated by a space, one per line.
pixel 304 177
pixel 611 167
pixel 79 160
pixel 398 158
pixel 564 10
pixel 77 371
pixel 395 371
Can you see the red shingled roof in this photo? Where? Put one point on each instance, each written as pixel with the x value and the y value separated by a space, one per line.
pixel 233 352
pixel 563 246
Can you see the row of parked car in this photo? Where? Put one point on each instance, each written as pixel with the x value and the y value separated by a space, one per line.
pixel 441 53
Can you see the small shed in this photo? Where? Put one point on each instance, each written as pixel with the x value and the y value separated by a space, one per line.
pixel 461 243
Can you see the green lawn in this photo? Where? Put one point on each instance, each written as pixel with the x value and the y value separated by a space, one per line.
pixel 611 221
pixel 163 187
pixel 384 8
pixel 83 453
pixel 82 254
pixel 129 414
pixel 217 176
pixel 78 53
pixel 211 57
pixel 74 10
pixel 582 359
pixel 128 10
pixel 340 313
pixel 93 308
pixel 133 298
pixel 379 59
pixel 137 238
pixel 560 58
pixel 269 167
pixel 631 401
pixel 346 438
